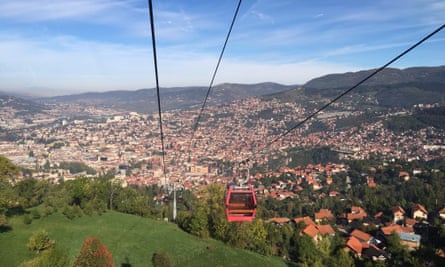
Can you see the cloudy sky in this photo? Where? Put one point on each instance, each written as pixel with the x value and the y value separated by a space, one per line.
pixel 67 46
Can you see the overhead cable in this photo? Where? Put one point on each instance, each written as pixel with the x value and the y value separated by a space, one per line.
pixel 355 86
pixel 155 60
pixel 195 126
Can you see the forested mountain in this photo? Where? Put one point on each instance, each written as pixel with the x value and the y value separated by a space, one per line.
pixel 388 76
pixel 389 88
pixel 144 100
pixel 21 106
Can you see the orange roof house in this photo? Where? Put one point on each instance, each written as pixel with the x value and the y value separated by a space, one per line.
pixel 361 236
pixel 357 213
pixel 410 222
pixel 306 220
pixel 311 231
pixel 442 213
pixel 398 214
pixel 404 175
pixel 317 231
pixel 323 214
pixel 419 212
pixel 355 245
pixel 388 230
pixel 279 220
pixel 326 229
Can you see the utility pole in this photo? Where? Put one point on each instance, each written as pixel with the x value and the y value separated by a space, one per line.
pixel 174 202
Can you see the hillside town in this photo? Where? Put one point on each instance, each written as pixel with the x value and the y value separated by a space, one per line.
pixel 127 145
pixel 228 133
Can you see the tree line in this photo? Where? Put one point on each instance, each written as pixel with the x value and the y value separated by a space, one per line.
pixel 205 216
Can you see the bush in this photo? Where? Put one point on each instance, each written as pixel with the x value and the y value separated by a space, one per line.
pixel 27 219
pixel 48 211
pixel 162 259
pixel 40 241
pixel 72 212
pixel 68 212
pixel 35 214
pixel 94 253
pixel 4 226
pixel 49 258
pixel 88 209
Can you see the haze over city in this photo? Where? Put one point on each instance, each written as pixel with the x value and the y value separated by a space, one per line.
pixel 60 47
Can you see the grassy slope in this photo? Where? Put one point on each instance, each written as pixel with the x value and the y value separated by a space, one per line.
pixel 132 240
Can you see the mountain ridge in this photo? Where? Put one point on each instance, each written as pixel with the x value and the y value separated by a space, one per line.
pixel 390 87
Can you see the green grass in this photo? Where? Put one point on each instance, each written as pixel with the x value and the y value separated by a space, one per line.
pixel 132 240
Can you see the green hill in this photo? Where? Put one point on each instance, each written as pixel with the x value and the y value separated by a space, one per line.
pixel 132 241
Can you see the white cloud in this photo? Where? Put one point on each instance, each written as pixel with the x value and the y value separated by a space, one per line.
pixel 41 10
pixel 69 63
pixel 272 41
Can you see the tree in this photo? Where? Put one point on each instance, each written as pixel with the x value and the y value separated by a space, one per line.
pixel 255 235
pixel 7 168
pixel 324 246
pixel 305 251
pixel 94 253
pixel 7 194
pixel 400 256
pixel 39 241
pixel 340 258
pixel 218 224
pixel 199 222
pixel 49 258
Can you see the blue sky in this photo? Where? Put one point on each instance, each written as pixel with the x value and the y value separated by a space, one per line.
pixel 68 46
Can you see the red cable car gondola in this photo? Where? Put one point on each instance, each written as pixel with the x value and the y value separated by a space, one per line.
pixel 240 203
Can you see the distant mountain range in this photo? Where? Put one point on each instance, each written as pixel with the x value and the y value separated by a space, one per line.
pixel 145 100
pixel 391 87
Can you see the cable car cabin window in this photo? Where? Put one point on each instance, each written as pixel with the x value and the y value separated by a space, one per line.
pixel 245 199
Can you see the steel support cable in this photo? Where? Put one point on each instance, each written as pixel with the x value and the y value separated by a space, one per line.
pixel 354 86
pixel 195 126
pixel 155 61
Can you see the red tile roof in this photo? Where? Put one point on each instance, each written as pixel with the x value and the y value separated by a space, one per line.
pixel 410 222
pixel 354 244
pixel 310 230
pixel 360 235
pixel 326 229
pixel 387 230
pixel 324 214
pixel 306 220
pixel 280 220
pixel 398 208
pixel 419 207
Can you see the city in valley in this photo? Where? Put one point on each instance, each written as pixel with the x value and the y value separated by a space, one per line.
pixel 357 170
pixel 128 144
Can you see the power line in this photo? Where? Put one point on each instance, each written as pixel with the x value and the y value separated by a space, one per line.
pixel 195 126
pixel 155 60
pixel 354 87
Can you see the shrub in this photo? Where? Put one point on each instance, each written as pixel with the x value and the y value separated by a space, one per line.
pixel 40 241
pixel 68 212
pixel 27 219
pixel 49 258
pixel 94 253
pixel 162 259
pixel 35 214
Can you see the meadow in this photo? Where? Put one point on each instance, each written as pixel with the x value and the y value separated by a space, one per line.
pixel 132 240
